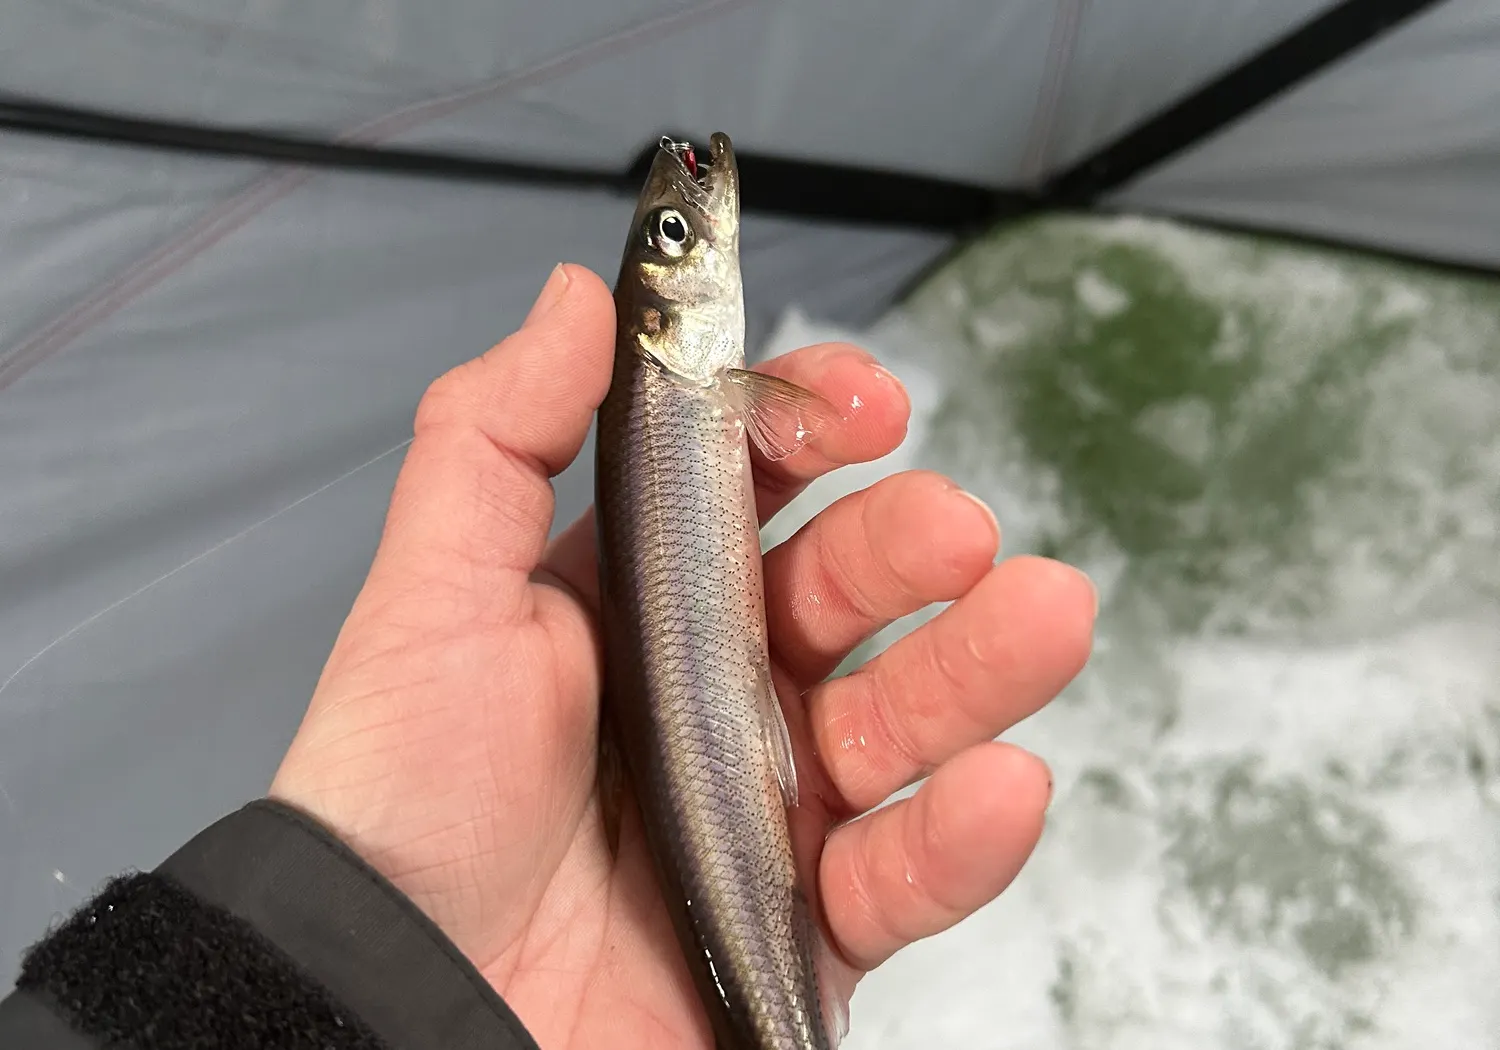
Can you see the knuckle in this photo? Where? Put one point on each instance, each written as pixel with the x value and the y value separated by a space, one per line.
pixel 908 567
pixel 841 581
pixel 954 666
pixel 883 551
pixel 883 938
pixel 972 670
pixel 905 761
pixel 929 844
pixel 446 398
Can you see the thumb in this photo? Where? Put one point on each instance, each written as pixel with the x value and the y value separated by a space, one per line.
pixel 472 505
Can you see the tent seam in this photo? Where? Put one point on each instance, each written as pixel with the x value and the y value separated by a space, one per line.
pixel 194 560
pixel 1067 23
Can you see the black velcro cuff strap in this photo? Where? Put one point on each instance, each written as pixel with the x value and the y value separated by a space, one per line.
pixel 146 963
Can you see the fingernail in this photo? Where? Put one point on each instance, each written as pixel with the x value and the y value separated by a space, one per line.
pixel 552 291
pixel 890 377
pixel 1093 589
pixel 982 505
pixel 827 352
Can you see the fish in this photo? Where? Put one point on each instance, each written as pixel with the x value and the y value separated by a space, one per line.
pixel 690 716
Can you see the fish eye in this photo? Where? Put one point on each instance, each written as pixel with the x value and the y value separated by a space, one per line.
pixel 670 233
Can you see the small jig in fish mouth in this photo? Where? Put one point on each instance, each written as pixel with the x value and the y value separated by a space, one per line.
pixel 684 152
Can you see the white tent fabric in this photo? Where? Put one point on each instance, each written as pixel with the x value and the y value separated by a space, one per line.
pixel 961 88
pixel 207 366
pixel 1396 147
pixel 1128 60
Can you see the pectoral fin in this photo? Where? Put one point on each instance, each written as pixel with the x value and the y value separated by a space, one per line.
pixel 780 416
pixel 778 739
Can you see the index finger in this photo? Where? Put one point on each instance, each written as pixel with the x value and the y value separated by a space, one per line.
pixel 874 406
pixel 875 410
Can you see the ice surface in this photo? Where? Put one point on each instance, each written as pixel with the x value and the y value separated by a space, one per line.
pixel 1277 815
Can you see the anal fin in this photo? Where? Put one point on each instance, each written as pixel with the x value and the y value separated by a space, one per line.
pixel 778 739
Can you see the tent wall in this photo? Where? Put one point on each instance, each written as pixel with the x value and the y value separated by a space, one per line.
pixel 1397 147
pixel 325 67
pixel 996 93
pixel 953 97
pixel 571 81
pixel 1128 60
pixel 1375 150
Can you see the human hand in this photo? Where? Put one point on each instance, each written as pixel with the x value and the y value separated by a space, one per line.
pixel 451 739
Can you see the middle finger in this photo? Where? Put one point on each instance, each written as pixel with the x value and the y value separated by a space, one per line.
pixel 869 559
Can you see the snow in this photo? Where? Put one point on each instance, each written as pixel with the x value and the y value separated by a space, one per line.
pixel 1277 814
pixel 1099 296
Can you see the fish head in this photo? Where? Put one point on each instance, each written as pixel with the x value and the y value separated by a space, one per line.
pixel 679 295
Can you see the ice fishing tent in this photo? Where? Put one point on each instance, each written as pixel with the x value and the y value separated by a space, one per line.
pixel 237 240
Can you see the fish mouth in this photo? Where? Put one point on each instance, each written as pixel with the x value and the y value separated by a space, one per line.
pixel 709 180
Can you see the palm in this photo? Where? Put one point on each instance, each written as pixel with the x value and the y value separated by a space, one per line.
pixel 452 739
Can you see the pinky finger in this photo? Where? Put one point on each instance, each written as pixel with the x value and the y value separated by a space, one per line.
pixel 920 865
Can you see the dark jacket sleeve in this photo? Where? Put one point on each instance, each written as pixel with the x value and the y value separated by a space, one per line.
pixel 263 931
